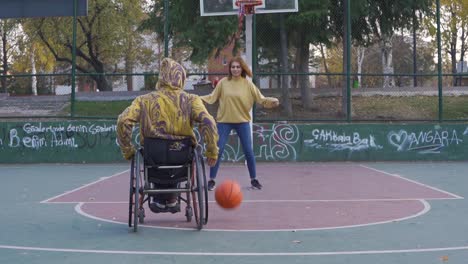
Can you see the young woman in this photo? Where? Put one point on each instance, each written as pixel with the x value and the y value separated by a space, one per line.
pixel 236 95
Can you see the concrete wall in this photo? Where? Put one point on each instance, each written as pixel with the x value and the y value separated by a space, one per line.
pixel 95 141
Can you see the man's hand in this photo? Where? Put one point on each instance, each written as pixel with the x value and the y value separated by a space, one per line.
pixel 128 155
pixel 211 162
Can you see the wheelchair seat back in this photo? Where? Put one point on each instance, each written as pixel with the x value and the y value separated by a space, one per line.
pixel 167 152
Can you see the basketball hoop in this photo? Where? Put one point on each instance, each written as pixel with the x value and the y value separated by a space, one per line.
pixel 246 7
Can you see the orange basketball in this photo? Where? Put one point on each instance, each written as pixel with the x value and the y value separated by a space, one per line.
pixel 228 194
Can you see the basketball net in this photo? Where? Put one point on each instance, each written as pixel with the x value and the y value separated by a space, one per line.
pixel 246 7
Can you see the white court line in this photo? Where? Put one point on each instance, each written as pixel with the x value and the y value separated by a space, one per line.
pixel 237 254
pixel 84 186
pixel 412 181
pixel 426 209
pixel 284 201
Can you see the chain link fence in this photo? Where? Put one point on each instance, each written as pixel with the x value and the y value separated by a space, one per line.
pixel 389 61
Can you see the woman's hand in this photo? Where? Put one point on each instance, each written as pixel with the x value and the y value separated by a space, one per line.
pixel 271 103
pixel 275 103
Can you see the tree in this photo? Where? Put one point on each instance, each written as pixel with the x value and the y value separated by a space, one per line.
pixel 383 19
pixel 9 29
pixel 133 43
pixel 203 36
pixel 31 56
pixel 103 37
pixel 309 26
pixel 454 31
pixel 286 102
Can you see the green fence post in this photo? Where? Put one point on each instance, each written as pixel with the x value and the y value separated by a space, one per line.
pixel 439 61
pixel 254 58
pixel 166 28
pixel 73 77
pixel 348 59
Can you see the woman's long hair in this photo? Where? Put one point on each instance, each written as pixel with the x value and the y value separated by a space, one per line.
pixel 245 69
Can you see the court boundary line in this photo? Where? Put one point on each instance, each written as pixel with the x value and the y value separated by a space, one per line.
pixel 84 186
pixel 426 208
pixel 287 201
pixel 412 181
pixel 236 254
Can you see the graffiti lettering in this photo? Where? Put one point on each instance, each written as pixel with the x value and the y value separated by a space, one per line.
pixel 34 141
pixel 77 128
pixel 28 128
pixel 276 143
pixel 423 142
pixel 14 138
pixel 330 136
pixel 95 129
pixel 333 141
pixel 59 141
pixel 38 135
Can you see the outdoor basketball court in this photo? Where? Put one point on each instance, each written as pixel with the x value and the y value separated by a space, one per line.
pixel 306 213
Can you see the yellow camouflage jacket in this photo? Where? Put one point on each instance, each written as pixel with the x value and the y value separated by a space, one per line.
pixel 168 113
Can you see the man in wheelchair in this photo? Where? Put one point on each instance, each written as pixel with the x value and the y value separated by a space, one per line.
pixel 169 113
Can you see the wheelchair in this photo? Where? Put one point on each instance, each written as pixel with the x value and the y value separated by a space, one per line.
pixel 165 162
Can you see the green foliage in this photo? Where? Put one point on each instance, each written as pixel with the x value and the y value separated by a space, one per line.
pixel 311 22
pixel 202 35
pixel 101 109
pixel 456 107
pixel 20 86
pixel 384 17
pixel 105 37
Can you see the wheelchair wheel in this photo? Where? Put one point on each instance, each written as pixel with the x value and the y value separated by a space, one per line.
pixel 132 193
pixel 136 207
pixel 200 203
pixel 141 210
pixel 188 213
pixel 188 208
pixel 135 213
pixel 205 189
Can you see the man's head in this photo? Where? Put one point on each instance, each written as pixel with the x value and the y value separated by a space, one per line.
pixel 171 75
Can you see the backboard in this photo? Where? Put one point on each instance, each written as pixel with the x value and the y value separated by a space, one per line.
pixel 228 7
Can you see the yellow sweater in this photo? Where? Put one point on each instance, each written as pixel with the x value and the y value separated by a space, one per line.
pixel 236 98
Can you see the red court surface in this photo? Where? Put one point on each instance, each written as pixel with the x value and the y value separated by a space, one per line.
pixel 295 197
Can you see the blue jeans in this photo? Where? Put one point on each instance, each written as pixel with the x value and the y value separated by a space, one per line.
pixel 243 131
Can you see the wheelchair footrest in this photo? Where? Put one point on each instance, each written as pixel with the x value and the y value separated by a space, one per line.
pixel 172 209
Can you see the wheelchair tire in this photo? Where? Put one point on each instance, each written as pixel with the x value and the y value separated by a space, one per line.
pixel 205 190
pixel 141 215
pixel 136 205
pixel 131 191
pixel 200 201
pixel 188 213
pixel 192 196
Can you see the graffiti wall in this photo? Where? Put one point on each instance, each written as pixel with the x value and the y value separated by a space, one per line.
pixel 58 142
pixel 95 141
